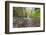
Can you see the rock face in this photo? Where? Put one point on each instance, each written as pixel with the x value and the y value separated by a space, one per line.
pixel 26 23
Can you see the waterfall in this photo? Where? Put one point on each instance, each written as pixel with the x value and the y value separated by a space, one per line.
pixel 28 10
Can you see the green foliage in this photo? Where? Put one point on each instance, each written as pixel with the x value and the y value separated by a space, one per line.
pixel 36 16
pixel 36 13
pixel 22 11
pixel 19 11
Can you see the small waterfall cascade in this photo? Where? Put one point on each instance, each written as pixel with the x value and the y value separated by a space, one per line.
pixel 28 10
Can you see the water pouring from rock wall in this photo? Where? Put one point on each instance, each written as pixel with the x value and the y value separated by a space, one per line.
pixel 29 12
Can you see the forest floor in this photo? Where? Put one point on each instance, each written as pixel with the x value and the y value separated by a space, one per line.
pixel 17 23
